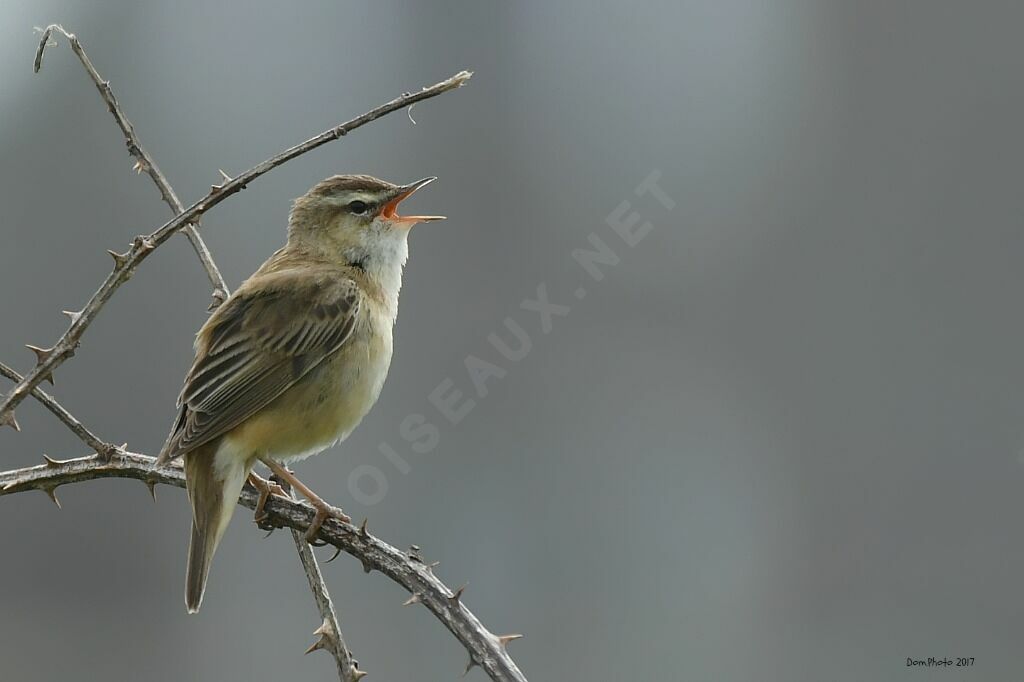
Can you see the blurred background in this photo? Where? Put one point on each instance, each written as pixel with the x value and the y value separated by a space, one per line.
pixel 780 439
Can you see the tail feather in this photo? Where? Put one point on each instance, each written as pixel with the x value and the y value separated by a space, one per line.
pixel 200 553
pixel 214 477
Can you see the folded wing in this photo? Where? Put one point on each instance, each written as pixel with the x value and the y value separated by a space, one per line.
pixel 256 346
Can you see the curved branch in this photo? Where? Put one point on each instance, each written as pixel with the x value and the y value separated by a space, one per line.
pixel 408 570
pixel 142 246
pixel 144 162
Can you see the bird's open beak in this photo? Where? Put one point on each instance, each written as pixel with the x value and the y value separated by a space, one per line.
pixel 390 210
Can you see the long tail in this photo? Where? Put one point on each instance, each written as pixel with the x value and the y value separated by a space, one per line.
pixel 214 476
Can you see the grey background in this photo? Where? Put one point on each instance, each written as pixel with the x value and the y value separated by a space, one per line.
pixel 781 440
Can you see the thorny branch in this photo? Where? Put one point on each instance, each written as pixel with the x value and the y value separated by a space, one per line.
pixel 347 671
pixel 485 649
pixel 407 569
pixel 144 162
pixel 329 633
pixel 142 246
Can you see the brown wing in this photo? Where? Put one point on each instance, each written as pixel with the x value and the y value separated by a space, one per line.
pixel 254 347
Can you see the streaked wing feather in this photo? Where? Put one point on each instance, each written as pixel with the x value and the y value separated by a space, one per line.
pixel 255 347
pixel 204 424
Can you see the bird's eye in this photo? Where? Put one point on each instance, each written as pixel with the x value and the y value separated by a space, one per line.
pixel 357 207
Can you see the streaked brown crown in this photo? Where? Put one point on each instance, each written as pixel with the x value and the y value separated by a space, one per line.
pixel 340 183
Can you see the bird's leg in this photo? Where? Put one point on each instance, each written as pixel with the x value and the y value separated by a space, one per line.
pixel 266 489
pixel 324 510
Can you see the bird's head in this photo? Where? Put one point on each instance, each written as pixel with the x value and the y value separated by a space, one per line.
pixel 355 218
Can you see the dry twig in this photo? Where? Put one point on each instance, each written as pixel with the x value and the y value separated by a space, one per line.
pixel 144 163
pixel 485 649
pixel 329 631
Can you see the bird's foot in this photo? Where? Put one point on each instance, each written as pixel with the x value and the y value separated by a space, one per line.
pixel 324 510
pixel 266 489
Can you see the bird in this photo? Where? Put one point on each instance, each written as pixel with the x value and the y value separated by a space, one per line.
pixel 294 359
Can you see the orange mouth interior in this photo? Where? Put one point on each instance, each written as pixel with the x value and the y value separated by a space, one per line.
pixel 390 211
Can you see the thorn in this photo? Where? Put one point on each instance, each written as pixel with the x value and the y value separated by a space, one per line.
pixel 50 462
pixel 320 643
pixel 454 600
pixel 269 533
pixel 408 112
pixel 469 666
pixel 358 674
pixel 337 551
pixel 139 167
pixel 367 567
pixel 503 640
pixel 42 355
pixel 362 531
pixel 226 179
pixel 8 486
pixel 51 492
pixel 325 639
pixel 325 629
pixel 414 599
pixel 119 258
pixel 73 315
pixel 151 485
pixel 7 419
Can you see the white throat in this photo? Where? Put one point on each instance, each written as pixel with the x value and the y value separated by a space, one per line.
pixel 383 258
